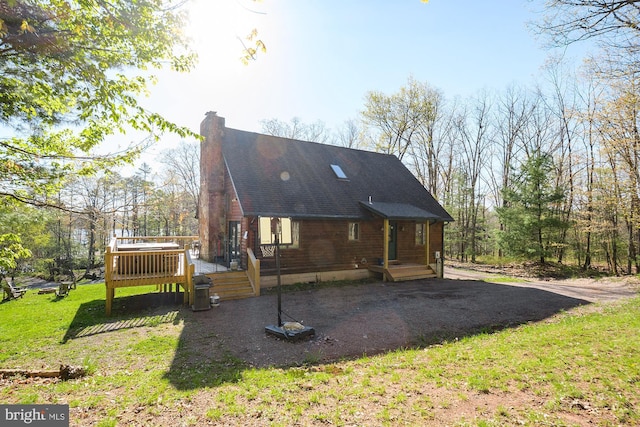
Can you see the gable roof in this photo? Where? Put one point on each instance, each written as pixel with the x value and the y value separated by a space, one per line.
pixel 275 176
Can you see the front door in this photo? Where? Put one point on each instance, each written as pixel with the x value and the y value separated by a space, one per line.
pixel 234 241
pixel 393 240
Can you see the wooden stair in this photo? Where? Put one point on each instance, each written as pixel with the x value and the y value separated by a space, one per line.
pixel 398 272
pixel 230 285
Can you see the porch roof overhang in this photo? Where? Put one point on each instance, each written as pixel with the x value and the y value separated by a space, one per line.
pixel 400 211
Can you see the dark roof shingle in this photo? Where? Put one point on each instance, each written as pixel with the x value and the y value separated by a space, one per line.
pixel 276 176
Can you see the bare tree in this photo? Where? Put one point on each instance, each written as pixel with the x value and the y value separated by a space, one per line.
pixel 184 162
pixel 588 212
pixel 95 194
pixel 447 136
pixel 397 118
pixel 622 142
pixel 569 21
pixel 350 134
pixel 564 105
pixel 475 135
pixel 430 142
pixel 613 24
pixel 296 129
pixel 513 110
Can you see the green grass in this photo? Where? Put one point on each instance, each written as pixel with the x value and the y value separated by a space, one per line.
pixel 582 363
pixel 36 325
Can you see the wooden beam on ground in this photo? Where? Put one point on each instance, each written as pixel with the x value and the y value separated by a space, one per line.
pixel 65 372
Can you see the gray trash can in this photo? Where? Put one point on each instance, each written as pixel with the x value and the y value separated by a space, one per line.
pixel 201 285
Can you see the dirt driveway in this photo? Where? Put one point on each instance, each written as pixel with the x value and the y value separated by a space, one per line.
pixel 371 318
pixel 590 290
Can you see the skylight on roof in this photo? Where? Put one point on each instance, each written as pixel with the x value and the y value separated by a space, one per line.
pixel 339 172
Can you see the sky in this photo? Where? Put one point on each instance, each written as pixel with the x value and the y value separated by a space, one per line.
pixel 323 56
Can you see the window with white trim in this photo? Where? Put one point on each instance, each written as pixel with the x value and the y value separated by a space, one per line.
pixel 354 231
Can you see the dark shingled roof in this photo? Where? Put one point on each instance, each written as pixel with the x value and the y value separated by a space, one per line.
pixel 275 176
pixel 399 211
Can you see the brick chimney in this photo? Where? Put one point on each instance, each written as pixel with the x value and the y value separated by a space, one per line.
pixel 212 198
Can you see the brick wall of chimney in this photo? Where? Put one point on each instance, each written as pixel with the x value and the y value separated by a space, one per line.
pixel 212 185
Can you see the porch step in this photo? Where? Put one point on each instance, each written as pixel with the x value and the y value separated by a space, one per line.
pixel 231 285
pixel 398 272
pixel 402 272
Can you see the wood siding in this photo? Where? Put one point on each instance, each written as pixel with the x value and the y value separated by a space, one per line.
pixel 409 251
pixel 325 246
pixel 436 234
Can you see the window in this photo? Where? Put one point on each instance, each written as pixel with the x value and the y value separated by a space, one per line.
pixel 268 227
pixel 354 231
pixel 420 234
pixel 339 172
pixel 295 235
pixel 288 231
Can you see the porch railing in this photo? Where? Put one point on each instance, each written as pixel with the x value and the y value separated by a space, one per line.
pixel 253 271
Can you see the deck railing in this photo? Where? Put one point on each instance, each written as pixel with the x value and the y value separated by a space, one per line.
pixel 180 240
pixel 253 271
pixel 148 265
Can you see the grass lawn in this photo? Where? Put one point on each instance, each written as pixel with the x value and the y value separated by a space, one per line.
pixel 577 368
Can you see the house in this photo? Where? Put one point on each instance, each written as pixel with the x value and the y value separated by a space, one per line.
pixel 338 213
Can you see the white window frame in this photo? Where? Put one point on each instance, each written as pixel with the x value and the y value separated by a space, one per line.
pixel 268 237
pixel 354 231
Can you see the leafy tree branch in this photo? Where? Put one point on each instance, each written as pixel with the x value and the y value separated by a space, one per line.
pixel 71 74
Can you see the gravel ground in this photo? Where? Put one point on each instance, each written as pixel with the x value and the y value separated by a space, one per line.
pixel 352 321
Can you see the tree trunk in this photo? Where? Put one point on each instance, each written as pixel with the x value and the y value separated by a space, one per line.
pixel 91 261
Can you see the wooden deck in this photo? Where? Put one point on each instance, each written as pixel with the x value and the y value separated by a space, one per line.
pixel 165 261
pixel 141 261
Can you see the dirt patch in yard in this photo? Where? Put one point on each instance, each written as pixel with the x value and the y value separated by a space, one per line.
pixel 370 318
